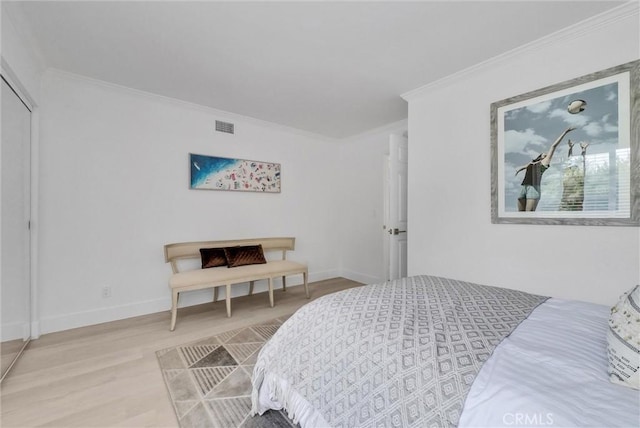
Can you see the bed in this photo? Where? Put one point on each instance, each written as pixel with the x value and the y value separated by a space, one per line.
pixel 430 351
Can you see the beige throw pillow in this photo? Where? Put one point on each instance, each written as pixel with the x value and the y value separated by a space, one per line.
pixel 623 340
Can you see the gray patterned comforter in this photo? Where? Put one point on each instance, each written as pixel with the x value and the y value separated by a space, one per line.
pixel 402 353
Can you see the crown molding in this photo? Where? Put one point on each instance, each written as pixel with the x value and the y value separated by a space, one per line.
pixel 398 126
pixel 12 79
pixel 605 19
pixel 219 114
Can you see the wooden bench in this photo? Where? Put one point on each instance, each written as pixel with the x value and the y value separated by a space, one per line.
pixel 197 279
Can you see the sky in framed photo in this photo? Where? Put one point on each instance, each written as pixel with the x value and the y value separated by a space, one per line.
pixel 530 127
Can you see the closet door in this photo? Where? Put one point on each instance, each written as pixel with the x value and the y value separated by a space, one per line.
pixel 15 288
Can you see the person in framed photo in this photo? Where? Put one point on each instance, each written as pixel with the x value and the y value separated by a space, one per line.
pixel 573 179
pixel 530 187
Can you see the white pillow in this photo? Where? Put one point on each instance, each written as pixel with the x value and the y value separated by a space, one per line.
pixel 623 340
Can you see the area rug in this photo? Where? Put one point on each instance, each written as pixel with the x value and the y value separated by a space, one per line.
pixel 209 381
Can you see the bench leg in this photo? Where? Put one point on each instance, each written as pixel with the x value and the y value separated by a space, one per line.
pixel 306 285
pixel 174 309
pixel 215 294
pixel 228 300
pixel 251 287
pixel 271 292
pixel 284 283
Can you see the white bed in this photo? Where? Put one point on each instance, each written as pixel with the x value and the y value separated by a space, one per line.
pixel 551 371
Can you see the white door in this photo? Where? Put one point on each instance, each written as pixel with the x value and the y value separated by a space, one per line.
pixel 396 226
pixel 15 202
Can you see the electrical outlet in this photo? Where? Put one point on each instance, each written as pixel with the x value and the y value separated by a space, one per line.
pixel 106 292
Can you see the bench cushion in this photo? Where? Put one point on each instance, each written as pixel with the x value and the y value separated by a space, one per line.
pixel 225 275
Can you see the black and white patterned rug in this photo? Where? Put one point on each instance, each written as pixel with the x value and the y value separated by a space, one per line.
pixel 209 381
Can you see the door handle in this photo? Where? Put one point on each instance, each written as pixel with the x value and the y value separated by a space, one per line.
pixel 396 231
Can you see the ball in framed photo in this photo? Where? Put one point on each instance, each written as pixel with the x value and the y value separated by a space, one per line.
pixel 577 106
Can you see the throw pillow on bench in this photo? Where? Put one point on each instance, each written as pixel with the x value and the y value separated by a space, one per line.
pixel 232 256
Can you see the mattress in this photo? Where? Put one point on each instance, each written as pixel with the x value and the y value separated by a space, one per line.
pixel 552 371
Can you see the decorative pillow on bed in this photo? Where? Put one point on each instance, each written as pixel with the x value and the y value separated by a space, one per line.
pixel 245 255
pixel 623 338
pixel 212 257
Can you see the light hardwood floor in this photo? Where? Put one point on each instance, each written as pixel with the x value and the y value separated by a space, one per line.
pixel 107 375
pixel 9 350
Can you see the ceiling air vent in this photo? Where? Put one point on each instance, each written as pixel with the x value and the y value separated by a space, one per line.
pixel 224 127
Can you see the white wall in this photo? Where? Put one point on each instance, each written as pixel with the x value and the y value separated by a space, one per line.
pixel 20 61
pixel 114 190
pixel 449 177
pixel 362 202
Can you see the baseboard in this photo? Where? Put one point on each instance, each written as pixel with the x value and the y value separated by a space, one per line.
pixel 114 313
pixel 14 331
pixel 360 277
pixel 101 315
pixel 321 276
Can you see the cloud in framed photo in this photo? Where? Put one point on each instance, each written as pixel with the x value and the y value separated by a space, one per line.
pixel 593 129
pixel 607 126
pixel 540 107
pixel 516 141
pixel 578 120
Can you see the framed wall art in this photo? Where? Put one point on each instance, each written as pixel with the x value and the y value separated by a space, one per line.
pixel 569 153
pixel 217 173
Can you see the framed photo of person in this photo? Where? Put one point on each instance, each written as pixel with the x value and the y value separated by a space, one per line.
pixel 569 153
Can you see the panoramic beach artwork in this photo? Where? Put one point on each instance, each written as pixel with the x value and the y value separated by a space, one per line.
pixel 216 173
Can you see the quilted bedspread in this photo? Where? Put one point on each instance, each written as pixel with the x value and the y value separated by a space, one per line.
pixel 401 353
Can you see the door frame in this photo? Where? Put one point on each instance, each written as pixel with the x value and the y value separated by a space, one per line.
pixel 386 180
pixel 385 217
pixel 27 99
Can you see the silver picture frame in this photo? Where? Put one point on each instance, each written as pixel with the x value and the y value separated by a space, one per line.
pixel 569 153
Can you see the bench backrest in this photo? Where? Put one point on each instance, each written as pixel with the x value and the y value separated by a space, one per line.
pixel 191 250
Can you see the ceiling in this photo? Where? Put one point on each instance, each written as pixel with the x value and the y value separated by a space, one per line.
pixel 331 68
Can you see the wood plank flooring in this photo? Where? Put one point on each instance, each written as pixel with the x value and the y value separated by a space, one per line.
pixel 9 350
pixel 107 375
